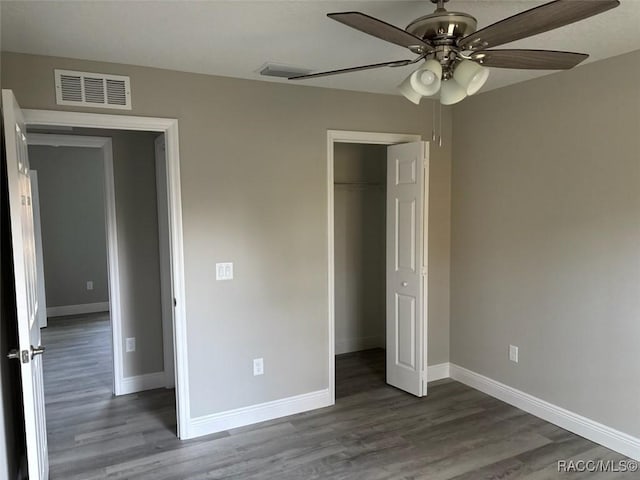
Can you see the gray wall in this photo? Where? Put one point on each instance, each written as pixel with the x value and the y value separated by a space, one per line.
pixel 72 217
pixel 253 171
pixel 137 220
pixel 360 253
pixel 546 238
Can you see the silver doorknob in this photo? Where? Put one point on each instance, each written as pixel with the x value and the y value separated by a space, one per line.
pixel 39 350
pixel 404 284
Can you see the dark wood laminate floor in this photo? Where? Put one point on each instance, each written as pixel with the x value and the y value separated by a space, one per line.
pixel 374 432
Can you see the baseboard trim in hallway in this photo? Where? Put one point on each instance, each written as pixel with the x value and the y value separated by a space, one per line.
pixel 81 309
pixel 438 372
pixel 240 417
pixel 597 432
pixel 140 383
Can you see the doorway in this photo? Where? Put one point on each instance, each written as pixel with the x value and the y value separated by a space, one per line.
pixel 101 213
pixel 360 177
pixel 363 323
pixel 169 130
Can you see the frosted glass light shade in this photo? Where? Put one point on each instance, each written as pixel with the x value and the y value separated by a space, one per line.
pixel 451 92
pixel 426 80
pixel 407 90
pixel 471 76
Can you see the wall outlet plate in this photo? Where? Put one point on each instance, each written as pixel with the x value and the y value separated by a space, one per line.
pixel 90 285
pixel 130 344
pixel 258 366
pixel 513 353
pixel 224 271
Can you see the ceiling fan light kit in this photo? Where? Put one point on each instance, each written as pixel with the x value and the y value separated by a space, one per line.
pixel 452 92
pixel 406 89
pixel 424 82
pixel 456 55
pixel 471 76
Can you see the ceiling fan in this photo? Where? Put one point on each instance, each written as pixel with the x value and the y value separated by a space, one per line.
pixel 455 55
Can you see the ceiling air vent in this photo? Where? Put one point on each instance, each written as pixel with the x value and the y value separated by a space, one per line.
pixel 281 71
pixel 85 89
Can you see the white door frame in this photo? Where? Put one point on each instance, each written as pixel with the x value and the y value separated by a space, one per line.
pixel 115 315
pixel 37 231
pixel 169 127
pixel 166 297
pixel 344 136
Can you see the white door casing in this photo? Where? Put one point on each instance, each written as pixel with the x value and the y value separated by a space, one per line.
pixel 26 286
pixel 164 246
pixel 37 230
pixel 406 167
pixel 169 127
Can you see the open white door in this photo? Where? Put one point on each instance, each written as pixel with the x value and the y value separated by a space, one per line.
pixel 406 166
pixel 41 313
pixel 25 271
pixel 166 291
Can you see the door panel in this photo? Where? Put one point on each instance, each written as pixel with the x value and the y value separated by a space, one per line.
pixel 405 227
pixel 405 296
pixel 406 337
pixel 26 286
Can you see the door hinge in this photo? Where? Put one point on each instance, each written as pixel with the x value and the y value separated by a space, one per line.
pixel 175 302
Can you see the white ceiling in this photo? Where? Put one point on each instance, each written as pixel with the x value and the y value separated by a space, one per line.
pixel 235 38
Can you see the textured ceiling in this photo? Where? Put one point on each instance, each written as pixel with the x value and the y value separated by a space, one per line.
pixel 235 38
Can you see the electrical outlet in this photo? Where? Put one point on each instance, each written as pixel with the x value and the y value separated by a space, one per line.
pixel 513 353
pixel 258 366
pixel 90 285
pixel 130 344
pixel 224 271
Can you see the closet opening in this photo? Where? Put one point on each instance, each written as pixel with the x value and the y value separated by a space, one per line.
pixel 360 194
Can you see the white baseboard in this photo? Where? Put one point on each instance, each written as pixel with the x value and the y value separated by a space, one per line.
pixel 77 309
pixel 361 343
pixel 438 372
pixel 585 427
pixel 141 383
pixel 240 417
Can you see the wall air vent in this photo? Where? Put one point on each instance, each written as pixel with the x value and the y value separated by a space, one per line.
pixel 281 71
pixel 96 90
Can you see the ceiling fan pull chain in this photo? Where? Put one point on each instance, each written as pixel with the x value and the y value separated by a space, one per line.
pixel 440 122
pixel 433 121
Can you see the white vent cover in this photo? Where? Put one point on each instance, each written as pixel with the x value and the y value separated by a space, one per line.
pixel 92 90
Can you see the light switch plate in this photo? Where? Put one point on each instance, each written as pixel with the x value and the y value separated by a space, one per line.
pixel 258 366
pixel 513 353
pixel 224 271
pixel 130 344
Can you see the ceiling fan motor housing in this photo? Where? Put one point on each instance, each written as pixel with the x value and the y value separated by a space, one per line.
pixel 443 27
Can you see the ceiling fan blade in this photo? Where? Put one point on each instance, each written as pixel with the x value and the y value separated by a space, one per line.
pixel 379 29
pixel 529 59
pixel 396 63
pixel 536 20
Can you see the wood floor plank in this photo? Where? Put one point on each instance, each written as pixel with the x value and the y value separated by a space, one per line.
pixel 374 432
